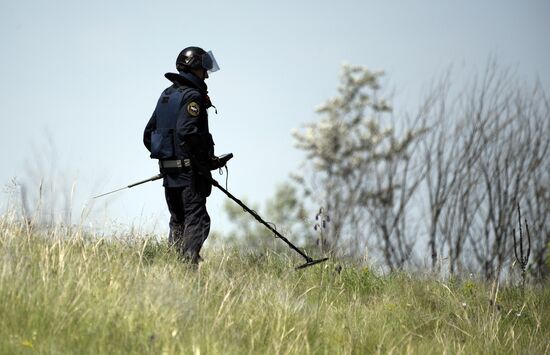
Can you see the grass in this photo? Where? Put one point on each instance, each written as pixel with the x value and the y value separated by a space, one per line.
pixel 62 291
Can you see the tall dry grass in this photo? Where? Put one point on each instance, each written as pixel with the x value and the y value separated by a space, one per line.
pixel 64 291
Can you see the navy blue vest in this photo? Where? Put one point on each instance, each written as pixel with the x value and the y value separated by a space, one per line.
pixel 171 123
pixel 165 143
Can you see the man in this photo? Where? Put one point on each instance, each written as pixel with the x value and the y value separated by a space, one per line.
pixel 178 136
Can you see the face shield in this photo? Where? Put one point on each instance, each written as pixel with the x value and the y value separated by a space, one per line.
pixel 209 62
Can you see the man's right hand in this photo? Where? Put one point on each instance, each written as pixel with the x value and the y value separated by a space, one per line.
pixel 219 162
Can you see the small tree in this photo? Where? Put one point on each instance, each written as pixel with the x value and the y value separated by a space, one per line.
pixel 351 154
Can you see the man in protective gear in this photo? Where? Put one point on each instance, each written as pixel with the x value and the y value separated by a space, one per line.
pixel 178 136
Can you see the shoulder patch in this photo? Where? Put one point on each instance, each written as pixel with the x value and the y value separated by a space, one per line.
pixel 193 108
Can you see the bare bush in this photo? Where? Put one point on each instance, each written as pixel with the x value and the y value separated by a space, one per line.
pixel 485 154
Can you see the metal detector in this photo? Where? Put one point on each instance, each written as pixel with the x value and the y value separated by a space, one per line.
pixel 309 260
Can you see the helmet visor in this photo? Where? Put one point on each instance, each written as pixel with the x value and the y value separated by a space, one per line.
pixel 209 62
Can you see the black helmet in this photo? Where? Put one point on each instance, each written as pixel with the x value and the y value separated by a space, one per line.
pixel 195 58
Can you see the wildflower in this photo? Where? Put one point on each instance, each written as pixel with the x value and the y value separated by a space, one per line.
pixel 27 344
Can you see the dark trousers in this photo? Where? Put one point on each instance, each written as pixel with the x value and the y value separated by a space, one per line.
pixel 189 221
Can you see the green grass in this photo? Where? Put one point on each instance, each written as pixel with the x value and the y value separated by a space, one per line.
pixel 63 292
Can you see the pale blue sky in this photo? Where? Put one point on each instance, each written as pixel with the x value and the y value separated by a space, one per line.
pixel 88 74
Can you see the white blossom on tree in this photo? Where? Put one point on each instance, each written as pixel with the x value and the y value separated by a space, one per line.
pixel 345 149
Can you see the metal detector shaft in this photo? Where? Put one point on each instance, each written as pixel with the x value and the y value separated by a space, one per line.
pixel 309 260
pixel 156 177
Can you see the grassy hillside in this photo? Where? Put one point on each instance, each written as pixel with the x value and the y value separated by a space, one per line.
pixel 62 292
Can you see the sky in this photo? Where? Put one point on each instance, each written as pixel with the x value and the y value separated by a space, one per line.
pixel 80 79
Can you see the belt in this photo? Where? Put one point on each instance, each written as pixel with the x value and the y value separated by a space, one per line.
pixel 175 164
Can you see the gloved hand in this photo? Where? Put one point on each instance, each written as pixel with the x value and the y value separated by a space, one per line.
pixel 219 162
pixel 214 163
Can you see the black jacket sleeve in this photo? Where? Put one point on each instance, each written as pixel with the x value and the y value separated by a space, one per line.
pixel 192 128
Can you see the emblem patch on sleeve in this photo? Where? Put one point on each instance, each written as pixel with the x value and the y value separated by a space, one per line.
pixel 193 108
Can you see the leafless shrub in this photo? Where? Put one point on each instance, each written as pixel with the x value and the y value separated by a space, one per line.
pixel 486 152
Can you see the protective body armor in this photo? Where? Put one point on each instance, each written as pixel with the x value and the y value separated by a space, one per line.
pixel 165 143
pixel 178 130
